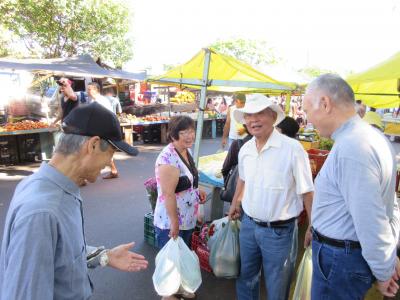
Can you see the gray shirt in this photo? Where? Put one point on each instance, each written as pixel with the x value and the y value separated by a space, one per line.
pixel 355 195
pixel 43 252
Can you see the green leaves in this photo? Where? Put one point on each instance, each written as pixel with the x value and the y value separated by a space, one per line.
pixel 59 28
pixel 253 52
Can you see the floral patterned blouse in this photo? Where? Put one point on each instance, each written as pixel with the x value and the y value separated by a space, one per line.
pixel 187 201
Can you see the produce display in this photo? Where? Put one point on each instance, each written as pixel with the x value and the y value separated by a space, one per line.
pixel 313 136
pixel 210 167
pixel 183 97
pixel 128 118
pixel 23 125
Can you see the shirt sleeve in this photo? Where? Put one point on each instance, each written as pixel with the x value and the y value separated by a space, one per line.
pixel 29 269
pixel 361 189
pixel 241 164
pixel 302 171
pixel 168 158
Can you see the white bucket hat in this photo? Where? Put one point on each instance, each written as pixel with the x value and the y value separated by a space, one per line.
pixel 256 103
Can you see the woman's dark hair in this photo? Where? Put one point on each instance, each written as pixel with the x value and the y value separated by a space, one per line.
pixel 177 124
pixel 289 127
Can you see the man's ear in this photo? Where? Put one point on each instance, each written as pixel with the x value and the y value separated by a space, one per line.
pixel 92 143
pixel 326 104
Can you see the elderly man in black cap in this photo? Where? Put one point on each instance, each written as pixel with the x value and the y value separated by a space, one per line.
pixel 44 253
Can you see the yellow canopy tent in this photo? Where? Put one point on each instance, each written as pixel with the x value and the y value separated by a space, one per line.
pixel 379 86
pixel 226 74
pixel 210 70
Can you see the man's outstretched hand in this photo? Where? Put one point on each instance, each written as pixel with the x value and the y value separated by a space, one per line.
pixel 121 258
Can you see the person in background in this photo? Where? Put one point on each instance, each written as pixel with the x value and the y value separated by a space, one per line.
pixel 288 127
pixel 300 116
pixel 115 103
pixel 232 157
pixel 93 91
pixel 116 109
pixel 44 253
pixel 210 104
pixel 223 106
pixel 274 185
pixel 355 215
pixel 360 108
pixel 177 186
pixel 68 99
pixel 232 129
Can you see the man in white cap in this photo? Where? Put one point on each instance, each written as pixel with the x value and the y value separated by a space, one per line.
pixel 274 185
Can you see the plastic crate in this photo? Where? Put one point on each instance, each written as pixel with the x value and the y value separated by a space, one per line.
pixel 317 158
pixel 149 232
pixel 29 147
pixel 8 150
pixel 202 252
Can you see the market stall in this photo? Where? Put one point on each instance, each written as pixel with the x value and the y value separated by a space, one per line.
pixel 379 86
pixel 210 70
pixel 29 101
pixel 26 141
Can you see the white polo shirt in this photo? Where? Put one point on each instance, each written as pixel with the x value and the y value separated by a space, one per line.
pixel 274 178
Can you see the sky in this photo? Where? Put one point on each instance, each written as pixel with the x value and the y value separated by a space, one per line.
pixel 337 35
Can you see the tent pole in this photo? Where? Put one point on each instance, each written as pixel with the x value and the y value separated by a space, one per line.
pixel 200 115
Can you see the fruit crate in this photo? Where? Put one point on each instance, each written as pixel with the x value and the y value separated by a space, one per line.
pixel 202 252
pixel 149 232
pixel 317 158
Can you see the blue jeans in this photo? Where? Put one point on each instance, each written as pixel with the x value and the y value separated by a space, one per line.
pixel 162 236
pixel 339 273
pixel 273 249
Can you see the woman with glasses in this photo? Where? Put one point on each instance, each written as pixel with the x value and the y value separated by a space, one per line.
pixel 177 186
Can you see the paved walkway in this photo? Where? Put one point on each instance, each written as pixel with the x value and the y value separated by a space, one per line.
pixel 114 211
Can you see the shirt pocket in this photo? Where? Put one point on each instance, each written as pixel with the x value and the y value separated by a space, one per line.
pixel 272 180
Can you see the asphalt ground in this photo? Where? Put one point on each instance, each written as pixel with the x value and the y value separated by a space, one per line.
pixel 114 212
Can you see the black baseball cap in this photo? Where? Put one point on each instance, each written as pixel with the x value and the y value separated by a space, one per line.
pixel 95 120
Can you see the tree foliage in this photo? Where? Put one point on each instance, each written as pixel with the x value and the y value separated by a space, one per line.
pixel 315 71
pixel 60 28
pixel 253 52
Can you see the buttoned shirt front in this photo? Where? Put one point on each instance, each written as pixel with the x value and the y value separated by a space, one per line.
pixel 43 252
pixel 275 178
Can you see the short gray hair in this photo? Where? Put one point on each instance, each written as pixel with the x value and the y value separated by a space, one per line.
pixel 335 87
pixel 68 144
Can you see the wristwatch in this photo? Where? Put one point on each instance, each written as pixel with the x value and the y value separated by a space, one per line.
pixel 103 258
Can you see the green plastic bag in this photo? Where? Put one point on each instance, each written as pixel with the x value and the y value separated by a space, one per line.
pixel 304 277
pixel 224 250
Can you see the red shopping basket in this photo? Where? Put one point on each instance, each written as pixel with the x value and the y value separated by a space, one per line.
pixel 317 158
pixel 202 252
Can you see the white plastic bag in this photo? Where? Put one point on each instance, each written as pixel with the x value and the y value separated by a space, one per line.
pixel 224 249
pixel 176 266
pixel 302 290
pixel 217 226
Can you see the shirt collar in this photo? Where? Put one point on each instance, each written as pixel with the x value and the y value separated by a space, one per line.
pixel 274 140
pixel 349 123
pixel 60 179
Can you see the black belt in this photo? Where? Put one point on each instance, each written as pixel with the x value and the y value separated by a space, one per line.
pixel 334 242
pixel 272 224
